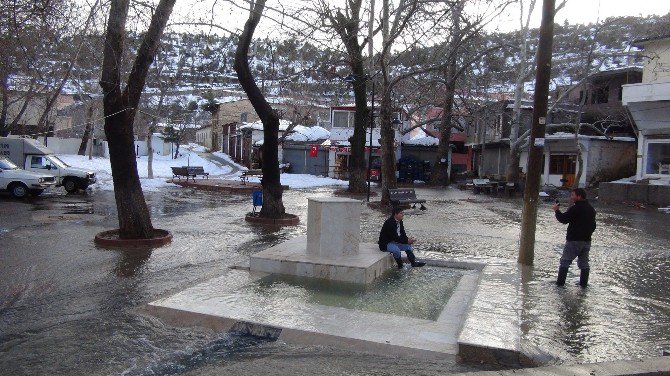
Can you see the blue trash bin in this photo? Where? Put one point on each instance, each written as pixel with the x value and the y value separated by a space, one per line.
pixel 257 198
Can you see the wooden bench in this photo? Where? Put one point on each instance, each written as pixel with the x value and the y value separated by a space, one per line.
pixel 250 173
pixel 188 172
pixel 479 185
pixel 405 196
pixel 196 170
pixel 178 172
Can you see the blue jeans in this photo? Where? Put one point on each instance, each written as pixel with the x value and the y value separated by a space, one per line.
pixel 396 248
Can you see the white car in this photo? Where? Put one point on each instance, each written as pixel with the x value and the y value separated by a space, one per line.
pixel 21 183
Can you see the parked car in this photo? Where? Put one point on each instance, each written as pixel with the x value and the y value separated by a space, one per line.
pixel 30 155
pixel 21 183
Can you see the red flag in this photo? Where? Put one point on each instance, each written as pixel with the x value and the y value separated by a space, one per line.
pixel 314 150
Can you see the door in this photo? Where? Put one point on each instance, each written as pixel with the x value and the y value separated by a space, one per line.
pixel 565 166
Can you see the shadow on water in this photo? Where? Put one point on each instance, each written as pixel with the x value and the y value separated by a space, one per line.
pixel 131 262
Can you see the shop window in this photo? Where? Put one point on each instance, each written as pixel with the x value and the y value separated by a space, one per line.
pixel 658 157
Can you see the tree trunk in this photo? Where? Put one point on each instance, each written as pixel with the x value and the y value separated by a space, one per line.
pixel 273 206
pixel 522 73
pixel 4 127
pixel 388 178
pixel 441 173
pixel 388 168
pixel 120 108
pixel 150 149
pixel 87 131
pixel 348 29
pixel 362 118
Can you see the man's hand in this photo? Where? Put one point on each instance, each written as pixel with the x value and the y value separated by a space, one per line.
pixel 411 241
pixel 554 207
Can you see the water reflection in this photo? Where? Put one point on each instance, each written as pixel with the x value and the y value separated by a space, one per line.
pixel 131 262
pixel 90 306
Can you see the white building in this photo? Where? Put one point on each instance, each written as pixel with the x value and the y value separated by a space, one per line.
pixel 649 105
pixel 339 147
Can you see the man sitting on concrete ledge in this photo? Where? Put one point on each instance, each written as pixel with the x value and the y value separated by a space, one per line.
pixel 392 238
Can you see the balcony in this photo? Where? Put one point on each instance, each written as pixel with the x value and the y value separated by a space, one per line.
pixel 649 104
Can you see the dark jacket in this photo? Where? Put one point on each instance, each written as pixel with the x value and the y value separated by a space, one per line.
pixel 581 219
pixel 389 233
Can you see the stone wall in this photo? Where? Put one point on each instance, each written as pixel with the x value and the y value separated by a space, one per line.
pixel 612 193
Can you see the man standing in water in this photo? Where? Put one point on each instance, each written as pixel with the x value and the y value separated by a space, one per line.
pixel 581 220
pixel 393 239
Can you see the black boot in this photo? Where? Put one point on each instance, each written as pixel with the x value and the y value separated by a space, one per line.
pixel 584 277
pixel 412 260
pixel 562 275
pixel 399 262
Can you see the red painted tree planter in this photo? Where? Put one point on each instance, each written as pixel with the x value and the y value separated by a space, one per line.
pixel 110 238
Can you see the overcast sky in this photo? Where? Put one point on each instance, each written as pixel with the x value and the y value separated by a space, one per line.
pixel 588 11
pixel 576 11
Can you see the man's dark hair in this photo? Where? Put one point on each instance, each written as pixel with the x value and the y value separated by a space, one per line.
pixel 396 210
pixel 580 192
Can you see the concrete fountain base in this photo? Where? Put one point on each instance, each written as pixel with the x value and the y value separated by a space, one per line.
pixel 292 258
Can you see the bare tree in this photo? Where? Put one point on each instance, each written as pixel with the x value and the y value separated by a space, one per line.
pixel 120 107
pixel 347 24
pixel 273 206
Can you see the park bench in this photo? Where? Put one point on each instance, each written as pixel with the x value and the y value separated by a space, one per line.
pixel 188 172
pixel 481 185
pixel 405 196
pixel 250 173
pixel 178 172
pixel 196 171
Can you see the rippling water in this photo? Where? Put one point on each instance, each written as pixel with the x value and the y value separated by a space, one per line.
pixel 68 307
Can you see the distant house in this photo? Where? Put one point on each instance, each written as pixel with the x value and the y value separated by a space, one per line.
pixel 488 143
pixel 27 108
pixel 649 106
pixel 423 137
pixel 232 112
pixel 303 152
pixel 600 96
pixel 204 136
pixel 488 133
pixel 339 147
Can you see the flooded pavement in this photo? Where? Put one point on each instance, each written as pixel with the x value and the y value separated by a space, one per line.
pixel 69 307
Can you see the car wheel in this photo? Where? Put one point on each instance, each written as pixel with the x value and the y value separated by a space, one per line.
pixel 70 185
pixel 18 190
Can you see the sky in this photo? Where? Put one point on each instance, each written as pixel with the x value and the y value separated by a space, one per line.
pixel 575 11
pixel 588 11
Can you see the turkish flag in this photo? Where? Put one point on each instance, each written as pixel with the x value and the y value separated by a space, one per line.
pixel 313 150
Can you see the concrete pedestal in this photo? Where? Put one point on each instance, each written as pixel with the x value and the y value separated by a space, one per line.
pixel 291 258
pixel 331 250
pixel 333 226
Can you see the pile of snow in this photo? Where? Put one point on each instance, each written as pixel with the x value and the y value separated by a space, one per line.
pixel 228 159
pixel 258 125
pixel 161 168
pixel 302 133
pixel 163 172
pixel 195 147
pixel 423 140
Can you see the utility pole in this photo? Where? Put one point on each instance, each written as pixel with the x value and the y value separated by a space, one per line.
pixel 536 145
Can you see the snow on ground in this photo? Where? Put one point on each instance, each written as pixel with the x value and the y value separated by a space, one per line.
pixel 163 172
pixel 228 159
